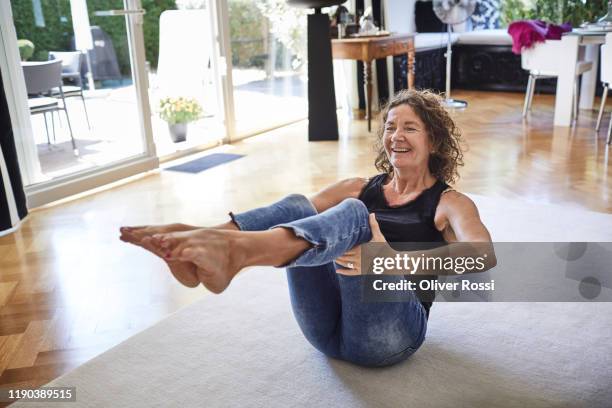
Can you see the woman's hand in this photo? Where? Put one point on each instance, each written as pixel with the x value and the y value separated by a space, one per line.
pixel 351 259
pixel 377 236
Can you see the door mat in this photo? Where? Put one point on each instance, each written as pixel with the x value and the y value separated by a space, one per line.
pixel 205 163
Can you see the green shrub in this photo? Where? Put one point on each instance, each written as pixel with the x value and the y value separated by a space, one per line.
pixel 247 30
pixel 575 12
pixel 252 24
pixel 26 49
pixel 57 32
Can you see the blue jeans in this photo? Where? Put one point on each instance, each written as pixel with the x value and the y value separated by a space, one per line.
pixel 328 306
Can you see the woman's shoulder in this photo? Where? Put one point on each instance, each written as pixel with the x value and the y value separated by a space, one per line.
pixel 340 190
pixel 354 187
pixel 353 183
pixel 359 183
pixel 377 178
pixel 345 188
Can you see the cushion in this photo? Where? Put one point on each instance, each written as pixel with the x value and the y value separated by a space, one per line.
pixel 432 41
pixel 487 15
pixel 485 37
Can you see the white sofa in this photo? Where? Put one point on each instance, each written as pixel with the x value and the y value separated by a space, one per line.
pixel 400 18
pixel 485 37
pixel 429 41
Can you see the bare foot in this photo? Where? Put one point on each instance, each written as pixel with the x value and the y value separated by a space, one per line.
pixel 212 251
pixel 135 235
pixel 184 272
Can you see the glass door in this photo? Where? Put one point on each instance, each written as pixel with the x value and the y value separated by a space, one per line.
pixel 186 100
pixel 269 73
pixel 131 70
pixel 83 63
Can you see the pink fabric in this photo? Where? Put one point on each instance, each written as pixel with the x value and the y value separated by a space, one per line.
pixel 525 33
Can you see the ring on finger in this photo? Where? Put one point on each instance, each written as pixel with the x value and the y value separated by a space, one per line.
pixel 350 265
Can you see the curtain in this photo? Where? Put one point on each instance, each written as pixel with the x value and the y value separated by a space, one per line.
pixel 12 196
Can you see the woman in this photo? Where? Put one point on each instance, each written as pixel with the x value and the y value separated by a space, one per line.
pixel 410 201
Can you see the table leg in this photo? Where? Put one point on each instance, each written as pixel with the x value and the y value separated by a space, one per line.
pixel 563 99
pixel 589 78
pixel 410 69
pixel 367 81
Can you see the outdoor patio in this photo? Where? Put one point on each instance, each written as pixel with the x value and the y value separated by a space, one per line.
pixel 114 119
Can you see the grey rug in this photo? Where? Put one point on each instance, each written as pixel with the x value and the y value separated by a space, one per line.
pixel 243 348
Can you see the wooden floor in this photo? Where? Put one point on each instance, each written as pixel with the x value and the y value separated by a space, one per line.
pixel 69 289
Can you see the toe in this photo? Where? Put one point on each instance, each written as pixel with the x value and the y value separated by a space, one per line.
pixel 140 232
pixel 158 240
pixel 131 230
pixel 167 242
pixel 147 244
pixel 127 236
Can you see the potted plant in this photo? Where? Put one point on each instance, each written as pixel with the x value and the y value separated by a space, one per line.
pixel 26 49
pixel 178 112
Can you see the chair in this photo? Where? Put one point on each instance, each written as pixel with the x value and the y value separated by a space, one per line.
pixel 606 78
pixel 71 69
pixel 546 60
pixel 40 79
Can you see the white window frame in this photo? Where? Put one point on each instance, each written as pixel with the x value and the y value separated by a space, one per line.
pixel 14 84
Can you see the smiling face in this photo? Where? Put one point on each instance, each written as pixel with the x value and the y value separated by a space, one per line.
pixel 405 138
pixel 414 123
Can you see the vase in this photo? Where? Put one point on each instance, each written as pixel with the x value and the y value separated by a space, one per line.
pixel 178 132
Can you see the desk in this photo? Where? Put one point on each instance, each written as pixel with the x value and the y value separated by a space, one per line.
pixel 368 49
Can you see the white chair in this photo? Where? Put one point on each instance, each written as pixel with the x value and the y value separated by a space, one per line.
pixel 606 78
pixel 550 59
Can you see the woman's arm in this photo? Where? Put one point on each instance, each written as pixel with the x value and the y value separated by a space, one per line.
pixel 337 192
pixel 458 219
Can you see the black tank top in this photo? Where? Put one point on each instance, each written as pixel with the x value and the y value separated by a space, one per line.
pixel 410 222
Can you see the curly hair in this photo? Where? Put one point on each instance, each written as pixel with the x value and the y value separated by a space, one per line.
pixel 444 135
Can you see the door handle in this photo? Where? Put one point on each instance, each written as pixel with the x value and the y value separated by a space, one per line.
pixel 107 13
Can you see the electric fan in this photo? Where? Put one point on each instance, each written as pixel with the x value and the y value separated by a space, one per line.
pixel 452 12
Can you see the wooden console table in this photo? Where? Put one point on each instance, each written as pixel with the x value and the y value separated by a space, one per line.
pixel 368 49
